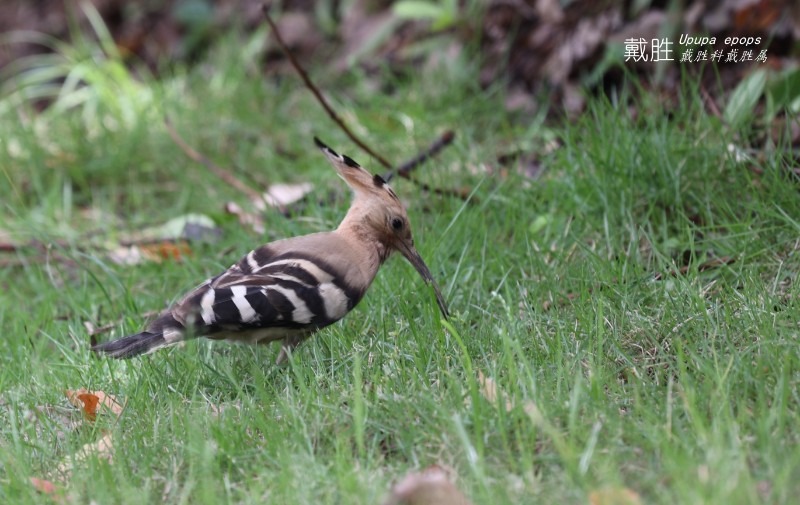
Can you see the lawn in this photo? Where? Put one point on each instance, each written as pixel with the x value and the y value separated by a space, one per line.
pixel 633 307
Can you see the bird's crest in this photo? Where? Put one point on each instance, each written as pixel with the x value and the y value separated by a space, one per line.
pixel 360 181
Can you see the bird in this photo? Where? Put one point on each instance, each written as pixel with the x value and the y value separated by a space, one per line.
pixel 288 289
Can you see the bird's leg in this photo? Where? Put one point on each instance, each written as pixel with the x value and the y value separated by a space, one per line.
pixel 288 345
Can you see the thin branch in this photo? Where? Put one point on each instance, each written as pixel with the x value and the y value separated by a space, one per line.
pixel 462 193
pixel 712 105
pixel 310 85
pixel 405 169
pixel 220 172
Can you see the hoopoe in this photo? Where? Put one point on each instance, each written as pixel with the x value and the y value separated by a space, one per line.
pixel 288 289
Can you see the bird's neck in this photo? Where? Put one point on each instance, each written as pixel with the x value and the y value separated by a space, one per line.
pixel 362 237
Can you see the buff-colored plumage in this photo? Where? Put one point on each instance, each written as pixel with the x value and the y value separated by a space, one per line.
pixel 288 289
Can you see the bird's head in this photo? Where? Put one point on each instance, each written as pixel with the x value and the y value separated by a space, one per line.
pixel 379 216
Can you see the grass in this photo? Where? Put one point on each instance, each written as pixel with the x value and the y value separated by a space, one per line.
pixel 684 389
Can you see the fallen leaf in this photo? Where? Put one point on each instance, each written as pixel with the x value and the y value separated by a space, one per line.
pixel 757 17
pixel 614 496
pixel 128 255
pixel 164 250
pixel 492 393
pixel 168 241
pixel 187 226
pixel 280 195
pixel 431 486
pixel 48 488
pixel 90 400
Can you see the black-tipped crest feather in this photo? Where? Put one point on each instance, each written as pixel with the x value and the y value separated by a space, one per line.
pixel 350 162
pixel 324 147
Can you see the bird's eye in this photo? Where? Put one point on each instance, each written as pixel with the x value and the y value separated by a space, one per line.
pixel 397 224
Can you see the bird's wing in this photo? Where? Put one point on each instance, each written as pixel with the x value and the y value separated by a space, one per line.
pixel 268 289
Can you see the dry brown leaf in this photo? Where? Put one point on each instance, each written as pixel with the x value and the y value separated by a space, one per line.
pixel 128 255
pixel 492 393
pixel 47 488
pixel 89 401
pixel 159 251
pixel 758 17
pixel 102 449
pixel 614 496
pixel 431 486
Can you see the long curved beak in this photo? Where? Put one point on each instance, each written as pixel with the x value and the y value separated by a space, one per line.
pixel 416 260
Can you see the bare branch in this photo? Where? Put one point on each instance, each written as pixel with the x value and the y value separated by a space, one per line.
pixel 310 85
pixel 405 169
pixel 220 172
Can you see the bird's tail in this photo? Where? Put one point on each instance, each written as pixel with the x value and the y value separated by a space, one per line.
pixel 163 331
pixel 132 345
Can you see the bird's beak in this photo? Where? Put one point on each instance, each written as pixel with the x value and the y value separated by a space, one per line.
pixel 415 259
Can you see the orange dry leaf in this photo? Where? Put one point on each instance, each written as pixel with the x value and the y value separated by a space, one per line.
pixel 47 487
pixel 90 400
pixel 166 251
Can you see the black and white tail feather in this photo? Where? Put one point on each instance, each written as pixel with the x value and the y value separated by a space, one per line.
pixel 288 289
pixel 132 345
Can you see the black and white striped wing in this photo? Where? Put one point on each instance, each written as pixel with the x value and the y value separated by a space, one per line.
pixel 267 296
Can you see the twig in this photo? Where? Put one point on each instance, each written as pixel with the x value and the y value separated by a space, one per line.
pixel 220 172
pixel 462 194
pixel 310 85
pixel 712 105
pixel 405 169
